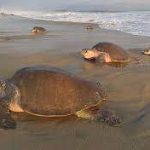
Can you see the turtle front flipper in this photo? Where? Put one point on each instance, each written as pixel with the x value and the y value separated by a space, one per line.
pixel 107 117
pixel 6 121
pixel 100 115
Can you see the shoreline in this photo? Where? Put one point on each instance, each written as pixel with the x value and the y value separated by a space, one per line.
pixel 21 48
pixel 69 22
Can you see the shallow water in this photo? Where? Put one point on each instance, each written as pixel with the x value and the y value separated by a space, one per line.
pixel 134 22
pixel 128 88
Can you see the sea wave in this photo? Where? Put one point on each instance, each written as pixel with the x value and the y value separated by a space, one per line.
pixel 136 22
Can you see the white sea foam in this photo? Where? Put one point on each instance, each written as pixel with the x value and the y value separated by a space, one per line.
pixel 136 22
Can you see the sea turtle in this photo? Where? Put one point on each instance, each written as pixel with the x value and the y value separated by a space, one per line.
pixel 51 92
pixel 89 27
pixel 38 30
pixel 110 52
pixel 146 51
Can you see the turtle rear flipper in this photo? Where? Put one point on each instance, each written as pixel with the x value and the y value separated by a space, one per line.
pixel 104 116
pixel 108 118
pixel 6 120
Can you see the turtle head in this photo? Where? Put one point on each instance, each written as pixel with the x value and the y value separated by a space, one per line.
pixel 6 121
pixel 3 87
pixel 34 30
pixel 6 88
pixel 89 54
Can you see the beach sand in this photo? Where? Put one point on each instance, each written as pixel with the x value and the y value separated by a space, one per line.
pixel 128 87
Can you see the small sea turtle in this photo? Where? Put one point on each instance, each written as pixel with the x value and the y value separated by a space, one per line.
pixel 51 92
pixel 146 51
pixel 38 30
pixel 89 27
pixel 110 52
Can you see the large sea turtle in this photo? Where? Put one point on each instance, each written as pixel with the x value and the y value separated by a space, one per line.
pixel 110 52
pixel 51 92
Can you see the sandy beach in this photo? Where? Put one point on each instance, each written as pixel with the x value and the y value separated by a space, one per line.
pixel 128 87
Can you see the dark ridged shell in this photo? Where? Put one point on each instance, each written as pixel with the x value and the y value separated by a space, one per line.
pixel 115 52
pixel 51 91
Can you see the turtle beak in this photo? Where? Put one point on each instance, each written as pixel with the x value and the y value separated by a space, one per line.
pixel 33 32
pixel 90 59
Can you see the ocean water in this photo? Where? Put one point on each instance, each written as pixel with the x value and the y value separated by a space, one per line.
pixel 134 22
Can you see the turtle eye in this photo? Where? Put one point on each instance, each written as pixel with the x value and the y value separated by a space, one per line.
pixel 85 50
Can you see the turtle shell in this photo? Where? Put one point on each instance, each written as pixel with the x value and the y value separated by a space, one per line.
pixel 49 91
pixel 116 53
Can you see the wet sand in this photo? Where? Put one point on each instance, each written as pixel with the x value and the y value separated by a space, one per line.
pixel 128 87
